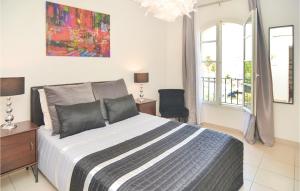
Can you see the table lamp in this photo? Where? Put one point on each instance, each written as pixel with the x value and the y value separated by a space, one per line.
pixel 10 87
pixel 141 78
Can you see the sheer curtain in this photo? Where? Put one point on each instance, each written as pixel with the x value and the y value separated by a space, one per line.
pixel 263 126
pixel 190 59
pixel 199 88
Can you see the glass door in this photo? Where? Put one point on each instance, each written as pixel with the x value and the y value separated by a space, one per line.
pixel 249 66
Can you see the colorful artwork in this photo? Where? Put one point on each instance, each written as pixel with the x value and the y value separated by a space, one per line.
pixel 77 32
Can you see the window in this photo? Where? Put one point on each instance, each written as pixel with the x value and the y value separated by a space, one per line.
pixel 209 63
pixel 222 63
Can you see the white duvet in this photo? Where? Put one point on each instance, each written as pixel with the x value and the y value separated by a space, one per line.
pixel 57 157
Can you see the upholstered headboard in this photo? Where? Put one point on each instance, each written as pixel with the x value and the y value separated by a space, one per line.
pixel 36 114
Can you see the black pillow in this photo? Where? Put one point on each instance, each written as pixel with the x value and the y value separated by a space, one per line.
pixel 79 117
pixel 120 108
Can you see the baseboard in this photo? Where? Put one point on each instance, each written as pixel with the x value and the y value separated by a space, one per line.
pixel 277 140
pixel 287 142
pixel 214 126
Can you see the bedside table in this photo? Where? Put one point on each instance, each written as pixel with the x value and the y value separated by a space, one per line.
pixel 19 148
pixel 146 106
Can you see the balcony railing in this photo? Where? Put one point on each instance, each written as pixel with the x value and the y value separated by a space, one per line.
pixel 232 90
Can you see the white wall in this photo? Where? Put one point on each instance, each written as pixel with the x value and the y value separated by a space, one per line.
pixel 1 37
pixel 137 44
pixel 174 54
pixel 298 138
pixel 275 13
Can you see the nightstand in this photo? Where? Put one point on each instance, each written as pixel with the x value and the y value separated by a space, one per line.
pixel 19 148
pixel 146 106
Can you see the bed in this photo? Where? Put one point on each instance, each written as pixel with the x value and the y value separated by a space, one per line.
pixel 143 152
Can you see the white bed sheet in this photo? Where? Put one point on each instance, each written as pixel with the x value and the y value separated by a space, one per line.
pixel 57 157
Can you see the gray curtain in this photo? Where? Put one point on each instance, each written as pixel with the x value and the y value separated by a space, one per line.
pixel 189 66
pixel 263 127
pixel 250 132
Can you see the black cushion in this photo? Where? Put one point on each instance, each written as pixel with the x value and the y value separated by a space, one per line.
pixel 120 108
pixel 79 117
pixel 172 103
pixel 175 112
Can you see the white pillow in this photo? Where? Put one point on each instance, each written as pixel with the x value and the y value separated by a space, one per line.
pixel 45 110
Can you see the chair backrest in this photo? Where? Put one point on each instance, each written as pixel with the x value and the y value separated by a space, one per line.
pixel 173 98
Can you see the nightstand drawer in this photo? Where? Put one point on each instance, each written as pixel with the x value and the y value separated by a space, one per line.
pixel 17 151
pixel 146 106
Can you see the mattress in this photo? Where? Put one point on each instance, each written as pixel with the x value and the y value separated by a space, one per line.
pixel 144 152
pixel 57 157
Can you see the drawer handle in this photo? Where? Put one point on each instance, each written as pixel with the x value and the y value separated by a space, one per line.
pixel 31 146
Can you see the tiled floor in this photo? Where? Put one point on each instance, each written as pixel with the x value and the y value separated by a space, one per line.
pixel 265 169
pixel 269 168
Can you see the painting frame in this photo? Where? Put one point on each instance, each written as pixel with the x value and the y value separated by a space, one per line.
pixel 76 32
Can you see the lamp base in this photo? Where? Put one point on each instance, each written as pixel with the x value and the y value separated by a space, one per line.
pixel 8 126
pixel 141 98
pixel 9 117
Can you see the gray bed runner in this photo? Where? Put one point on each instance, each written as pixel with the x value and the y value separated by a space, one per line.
pixel 186 159
pixel 85 165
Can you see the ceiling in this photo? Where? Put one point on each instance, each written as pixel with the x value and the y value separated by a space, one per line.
pixel 203 2
pixel 206 1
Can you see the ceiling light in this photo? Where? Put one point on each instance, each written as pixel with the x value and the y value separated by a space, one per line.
pixel 168 10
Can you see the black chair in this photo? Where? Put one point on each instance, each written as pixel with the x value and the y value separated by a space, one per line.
pixel 171 104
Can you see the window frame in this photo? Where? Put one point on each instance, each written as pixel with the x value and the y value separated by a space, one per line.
pixel 218 90
pixel 253 18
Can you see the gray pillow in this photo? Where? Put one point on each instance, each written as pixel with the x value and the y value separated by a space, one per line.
pixel 120 108
pixel 66 95
pixel 79 117
pixel 112 89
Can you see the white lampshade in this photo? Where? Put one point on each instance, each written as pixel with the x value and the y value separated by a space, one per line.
pixel 168 10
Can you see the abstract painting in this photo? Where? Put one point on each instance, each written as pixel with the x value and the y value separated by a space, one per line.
pixel 76 32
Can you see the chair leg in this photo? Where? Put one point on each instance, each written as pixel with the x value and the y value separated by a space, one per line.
pixel 185 119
